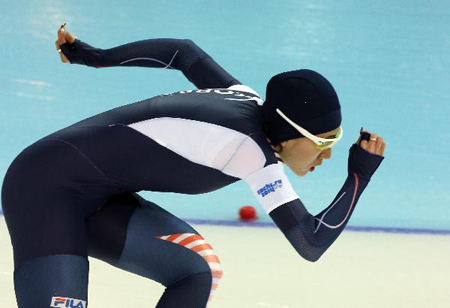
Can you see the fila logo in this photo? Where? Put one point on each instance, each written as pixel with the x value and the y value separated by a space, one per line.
pixel 65 302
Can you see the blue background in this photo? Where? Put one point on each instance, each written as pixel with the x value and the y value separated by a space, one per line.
pixel 388 60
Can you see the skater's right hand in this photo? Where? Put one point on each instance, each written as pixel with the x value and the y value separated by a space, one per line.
pixel 366 154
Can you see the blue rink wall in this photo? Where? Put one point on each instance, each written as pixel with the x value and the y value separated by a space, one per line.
pixel 388 60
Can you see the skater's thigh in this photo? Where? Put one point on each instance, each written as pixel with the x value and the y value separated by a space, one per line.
pixel 139 236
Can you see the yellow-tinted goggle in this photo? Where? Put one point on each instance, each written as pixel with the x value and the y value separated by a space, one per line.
pixel 321 143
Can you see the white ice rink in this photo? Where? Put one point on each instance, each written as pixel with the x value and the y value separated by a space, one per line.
pixel 261 269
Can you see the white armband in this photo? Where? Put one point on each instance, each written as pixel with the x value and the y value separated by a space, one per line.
pixel 271 187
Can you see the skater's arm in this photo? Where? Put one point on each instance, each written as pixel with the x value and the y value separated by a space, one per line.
pixel 177 54
pixel 312 235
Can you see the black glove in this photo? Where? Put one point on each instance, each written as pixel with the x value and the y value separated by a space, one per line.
pixel 362 162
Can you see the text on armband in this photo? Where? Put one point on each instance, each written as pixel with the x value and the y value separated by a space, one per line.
pixel 270 188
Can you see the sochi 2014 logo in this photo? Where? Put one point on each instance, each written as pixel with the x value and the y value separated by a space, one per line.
pixel 270 188
pixel 65 302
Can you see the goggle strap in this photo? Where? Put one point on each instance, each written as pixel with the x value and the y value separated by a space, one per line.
pixel 304 132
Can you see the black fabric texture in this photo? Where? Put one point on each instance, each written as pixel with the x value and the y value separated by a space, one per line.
pixel 307 234
pixel 47 192
pixel 40 279
pixel 362 162
pixel 107 227
pixel 179 54
pixel 191 292
pixel 206 73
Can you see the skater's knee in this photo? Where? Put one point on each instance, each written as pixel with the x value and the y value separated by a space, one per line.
pixel 52 279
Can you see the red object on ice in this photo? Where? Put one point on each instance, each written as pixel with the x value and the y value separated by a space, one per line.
pixel 247 213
